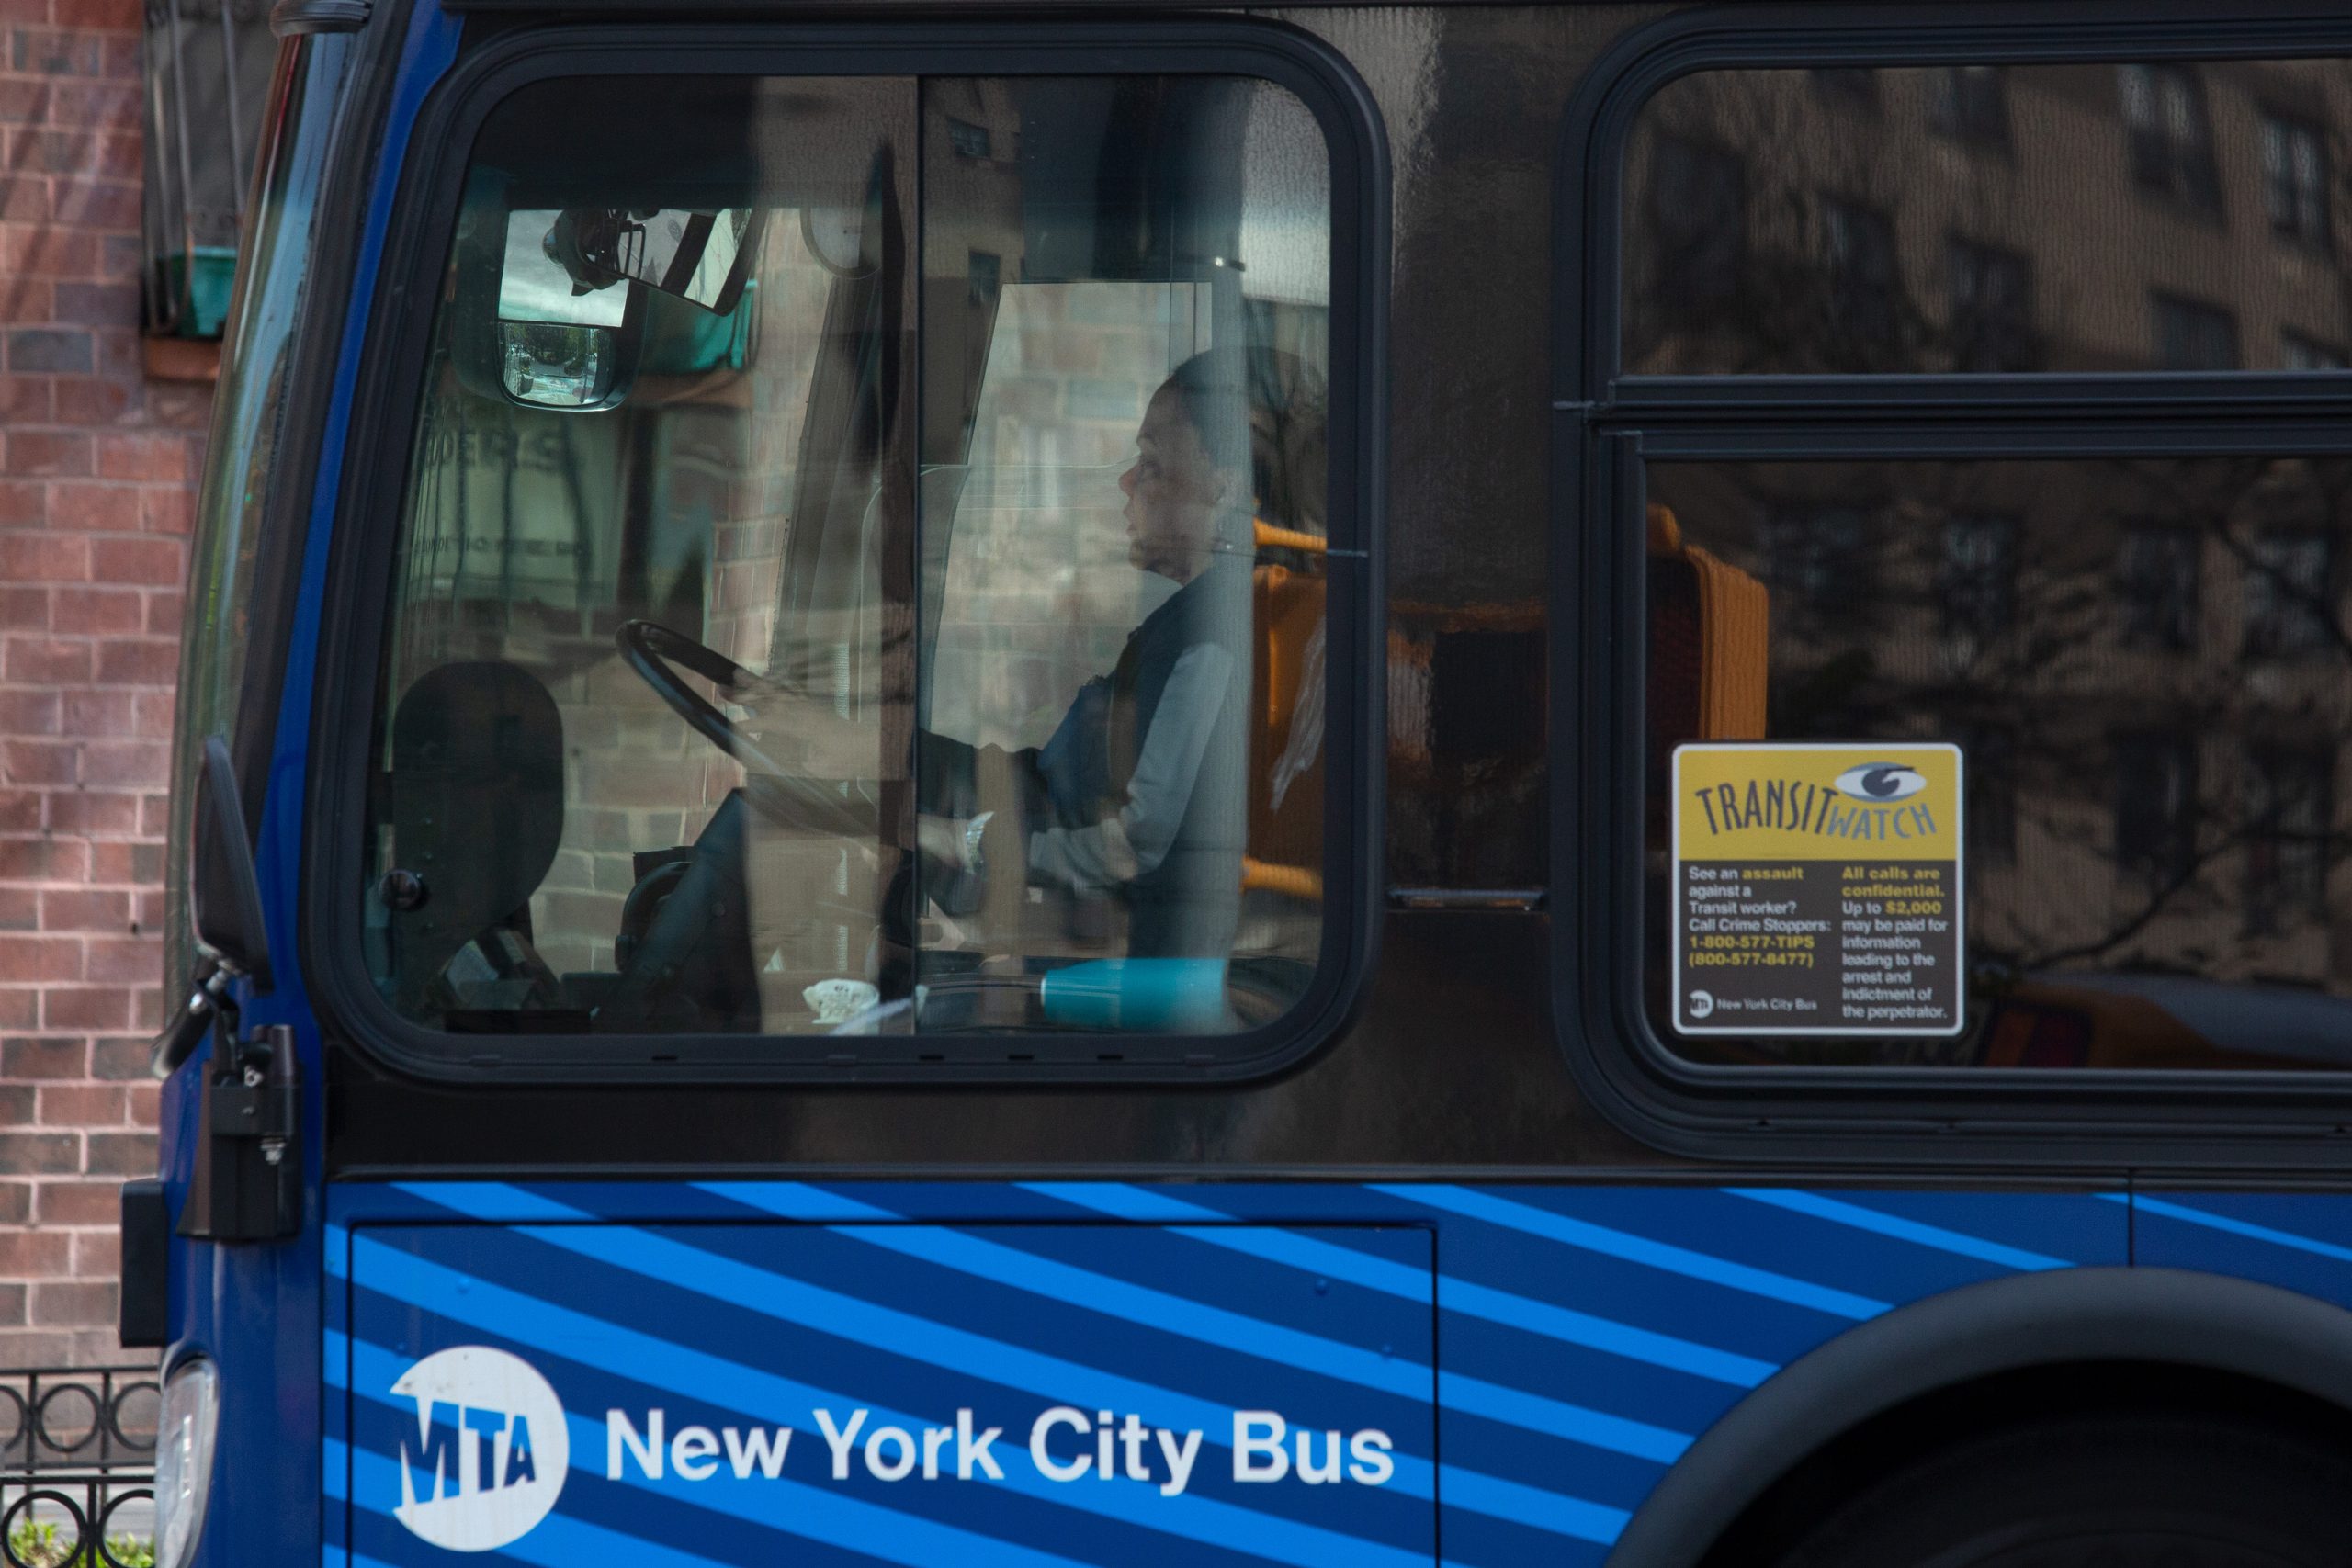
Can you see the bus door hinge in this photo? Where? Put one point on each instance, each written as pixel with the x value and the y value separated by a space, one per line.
pixel 248 1179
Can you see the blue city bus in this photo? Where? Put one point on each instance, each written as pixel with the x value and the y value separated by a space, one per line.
pixel 1073 783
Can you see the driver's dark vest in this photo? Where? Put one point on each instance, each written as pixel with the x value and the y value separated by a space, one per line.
pixel 1186 906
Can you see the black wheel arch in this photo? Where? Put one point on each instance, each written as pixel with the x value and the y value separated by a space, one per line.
pixel 2260 1345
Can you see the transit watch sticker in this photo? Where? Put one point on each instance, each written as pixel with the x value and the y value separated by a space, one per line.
pixel 1817 888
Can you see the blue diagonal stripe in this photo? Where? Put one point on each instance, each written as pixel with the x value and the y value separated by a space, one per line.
pixel 851 1523
pixel 796 1200
pixel 1589 1237
pixel 729 1281
pixel 1453 1294
pixel 595 1543
pixel 2246 1228
pixel 1556 1512
pixel 596 1342
pixel 495 1202
pixel 863 1322
pixel 1130 1303
pixel 866 1323
pixel 1898 1228
pixel 1125 1201
pixel 586 1542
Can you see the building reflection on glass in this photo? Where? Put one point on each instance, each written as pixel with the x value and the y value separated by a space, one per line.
pixel 1990 219
pixel 2145 660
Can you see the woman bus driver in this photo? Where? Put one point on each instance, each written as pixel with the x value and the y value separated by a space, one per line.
pixel 1141 793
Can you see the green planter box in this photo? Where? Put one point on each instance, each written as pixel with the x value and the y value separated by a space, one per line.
pixel 200 279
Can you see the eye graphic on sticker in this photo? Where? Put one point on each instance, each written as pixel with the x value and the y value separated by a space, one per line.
pixel 1879 782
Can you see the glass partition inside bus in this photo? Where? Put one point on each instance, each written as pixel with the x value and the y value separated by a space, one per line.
pixel 862 566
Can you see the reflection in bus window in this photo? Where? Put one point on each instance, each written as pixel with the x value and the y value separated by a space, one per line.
pixel 1970 218
pixel 929 638
pixel 2145 663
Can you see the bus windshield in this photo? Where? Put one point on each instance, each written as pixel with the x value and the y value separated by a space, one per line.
pixel 862 566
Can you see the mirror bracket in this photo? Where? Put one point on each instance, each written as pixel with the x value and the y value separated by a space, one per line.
pixel 208 1010
pixel 248 1184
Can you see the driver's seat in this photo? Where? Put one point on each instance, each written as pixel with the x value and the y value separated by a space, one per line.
pixel 476 811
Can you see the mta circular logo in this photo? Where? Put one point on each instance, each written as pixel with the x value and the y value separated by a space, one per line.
pixel 486 1459
pixel 1879 782
pixel 1702 1003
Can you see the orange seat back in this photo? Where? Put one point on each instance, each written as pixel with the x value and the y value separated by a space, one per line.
pixel 1709 649
pixel 1711 642
pixel 1286 749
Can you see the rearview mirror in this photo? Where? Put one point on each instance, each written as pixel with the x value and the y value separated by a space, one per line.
pixel 699 256
pixel 224 891
pixel 561 345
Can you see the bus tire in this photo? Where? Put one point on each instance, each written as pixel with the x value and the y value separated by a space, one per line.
pixel 2143 1491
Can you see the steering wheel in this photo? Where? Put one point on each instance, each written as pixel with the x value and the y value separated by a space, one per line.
pixel 807 805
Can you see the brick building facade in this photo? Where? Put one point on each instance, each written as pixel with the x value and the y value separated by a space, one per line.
pixel 99 454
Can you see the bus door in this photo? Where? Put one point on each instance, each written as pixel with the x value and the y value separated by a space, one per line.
pixel 855 602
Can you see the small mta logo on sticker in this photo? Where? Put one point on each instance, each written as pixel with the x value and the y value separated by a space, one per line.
pixel 489 1449
pixel 1879 783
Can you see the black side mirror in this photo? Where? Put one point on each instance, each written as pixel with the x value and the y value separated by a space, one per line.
pixel 224 907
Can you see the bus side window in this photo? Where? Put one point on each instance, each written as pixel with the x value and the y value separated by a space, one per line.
pixel 2128 640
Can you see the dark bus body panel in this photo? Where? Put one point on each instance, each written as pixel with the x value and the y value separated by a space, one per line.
pixel 1604 1305
pixel 1495 1093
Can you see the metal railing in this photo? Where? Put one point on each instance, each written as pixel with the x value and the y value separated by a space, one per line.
pixel 77 1465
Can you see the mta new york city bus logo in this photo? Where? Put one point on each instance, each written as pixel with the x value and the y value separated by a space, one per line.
pixel 484 1460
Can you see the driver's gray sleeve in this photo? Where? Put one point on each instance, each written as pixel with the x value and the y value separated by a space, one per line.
pixel 1102 855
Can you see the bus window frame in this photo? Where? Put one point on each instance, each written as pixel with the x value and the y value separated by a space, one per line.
pixel 1609 424
pixel 359 69
pixel 382 426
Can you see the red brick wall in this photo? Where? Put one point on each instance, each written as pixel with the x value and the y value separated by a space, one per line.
pixel 96 465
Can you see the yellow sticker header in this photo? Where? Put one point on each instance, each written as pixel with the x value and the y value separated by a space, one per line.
pixel 1816 802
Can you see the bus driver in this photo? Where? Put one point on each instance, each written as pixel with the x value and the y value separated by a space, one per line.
pixel 1141 792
